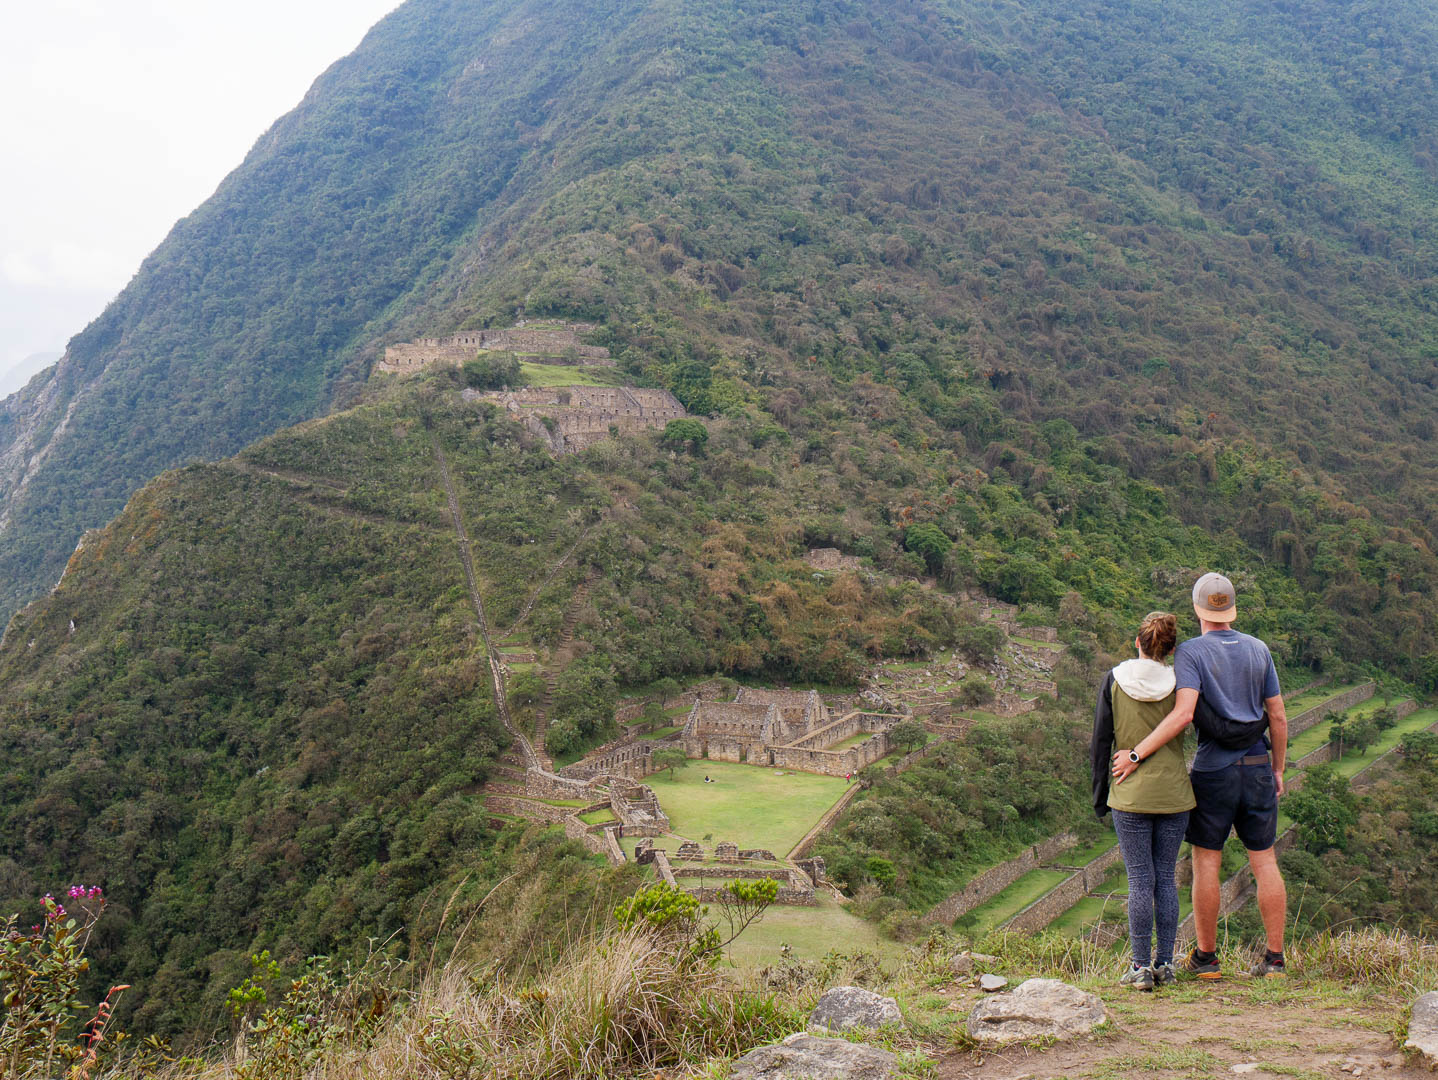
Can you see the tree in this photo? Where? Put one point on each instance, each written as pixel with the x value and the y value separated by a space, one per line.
pixel 741 903
pixel 1324 810
pixel 980 643
pixel 687 433
pixel 1384 718
pixel 929 542
pixel 1419 747
pixel 669 757
pixel 1337 732
pixel 526 688
pixel 492 371
pixel 908 735
pixel 1362 733
pixel 974 690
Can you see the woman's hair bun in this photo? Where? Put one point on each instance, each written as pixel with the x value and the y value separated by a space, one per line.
pixel 1157 634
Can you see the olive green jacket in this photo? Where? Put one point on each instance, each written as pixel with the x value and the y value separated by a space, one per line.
pixel 1135 698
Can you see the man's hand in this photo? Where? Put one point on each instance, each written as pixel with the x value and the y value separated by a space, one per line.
pixel 1122 767
pixel 1278 783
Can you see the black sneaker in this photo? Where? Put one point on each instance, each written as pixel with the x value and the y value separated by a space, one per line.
pixel 1268 969
pixel 1192 964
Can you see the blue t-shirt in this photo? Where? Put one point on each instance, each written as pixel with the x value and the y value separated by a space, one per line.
pixel 1235 674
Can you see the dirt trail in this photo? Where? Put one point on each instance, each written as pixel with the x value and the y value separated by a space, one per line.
pixel 1204 1031
pixel 528 755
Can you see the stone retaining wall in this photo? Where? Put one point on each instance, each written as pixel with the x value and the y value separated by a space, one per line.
pixel 577 830
pixel 1301 722
pixel 1050 906
pixel 790 897
pixel 662 867
pixel 832 762
pixel 528 809
pixel 993 881
pixel 547 785
pixel 801 849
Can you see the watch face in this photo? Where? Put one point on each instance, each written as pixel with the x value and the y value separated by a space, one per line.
pixel 1133 756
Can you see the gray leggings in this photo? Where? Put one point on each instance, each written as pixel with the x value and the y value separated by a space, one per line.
pixel 1150 843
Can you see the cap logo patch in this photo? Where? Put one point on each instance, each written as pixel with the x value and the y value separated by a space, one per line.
pixel 1218 600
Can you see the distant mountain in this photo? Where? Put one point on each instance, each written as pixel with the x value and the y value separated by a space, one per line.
pixel 18 374
pixel 1203 245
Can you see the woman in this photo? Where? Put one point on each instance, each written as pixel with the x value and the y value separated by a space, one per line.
pixel 1150 808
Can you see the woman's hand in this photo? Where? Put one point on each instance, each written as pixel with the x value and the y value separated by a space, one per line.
pixel 1122 766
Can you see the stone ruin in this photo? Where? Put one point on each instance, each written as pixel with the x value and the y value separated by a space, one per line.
pixel 789 729
pixel 687 869
pixel 573 418
pixel 547 343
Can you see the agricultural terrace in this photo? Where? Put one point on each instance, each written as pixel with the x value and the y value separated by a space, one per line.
pixel 753 806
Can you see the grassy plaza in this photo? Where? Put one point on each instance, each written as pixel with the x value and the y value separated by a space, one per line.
pixel 754 806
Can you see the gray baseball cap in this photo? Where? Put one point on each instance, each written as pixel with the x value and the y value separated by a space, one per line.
pixel 1214 598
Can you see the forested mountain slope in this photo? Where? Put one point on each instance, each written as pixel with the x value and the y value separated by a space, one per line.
pixel 1199 239
pixel 257 708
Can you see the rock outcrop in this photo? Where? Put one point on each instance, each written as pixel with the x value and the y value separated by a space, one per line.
pixel 1423 1028
pixel 809 1057
pixel 1038 1008
pixel 850 1008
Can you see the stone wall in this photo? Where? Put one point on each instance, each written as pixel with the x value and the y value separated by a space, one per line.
pixel 832 762
pixel 636 805
pixel 628 759
pixel 801 849
pixel 577 830
pixel 414 356
pixel 527 809
pixel 546 785
pixel 993 881
pixel 1301 722
pixel 662 867
pixel 1050 906
pixel 790 897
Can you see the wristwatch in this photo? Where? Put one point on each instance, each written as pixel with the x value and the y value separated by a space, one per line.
pixel 1133 756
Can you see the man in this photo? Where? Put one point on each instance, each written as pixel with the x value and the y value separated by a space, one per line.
pixel 1236 782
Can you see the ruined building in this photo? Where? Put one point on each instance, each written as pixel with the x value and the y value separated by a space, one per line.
pixel 548 343
pixel 572 418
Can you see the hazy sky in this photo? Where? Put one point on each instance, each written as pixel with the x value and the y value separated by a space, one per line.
pixel 121 116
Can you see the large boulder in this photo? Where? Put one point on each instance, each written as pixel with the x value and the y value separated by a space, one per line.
pixel 1423 1028
pixel 1038 1008
pixel 846 1008
pixel 809 1057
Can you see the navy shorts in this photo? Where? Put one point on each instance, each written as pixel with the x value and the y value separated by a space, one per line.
pixel 1241 797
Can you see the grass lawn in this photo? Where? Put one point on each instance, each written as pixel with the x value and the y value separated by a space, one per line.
pixel 852 740
pixel 1083 855
pixel 564 375
pixel 660 733
pixel 751 805
pixel 1305 701
pixel 1352 762
pixel 999 909
pixel 1308 742
pixel 812 932
pixel 1088 912
pixel 596 817
pixel 1052 645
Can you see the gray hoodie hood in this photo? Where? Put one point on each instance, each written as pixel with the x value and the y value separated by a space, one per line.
pixel 1145 680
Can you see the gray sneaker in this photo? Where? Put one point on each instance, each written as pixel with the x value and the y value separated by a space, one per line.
pixel 1163 974
pixel 1138 978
